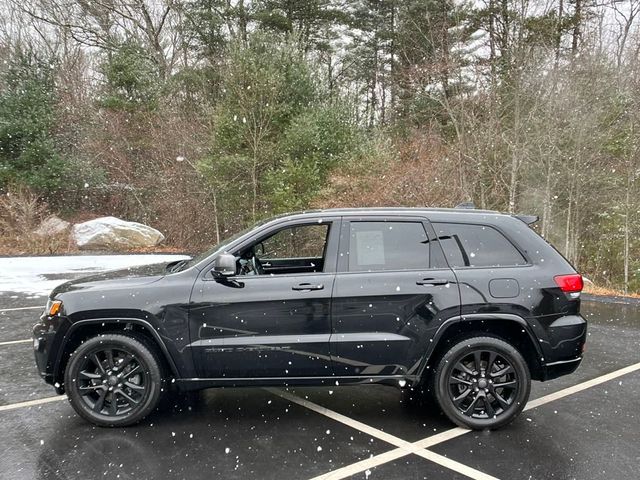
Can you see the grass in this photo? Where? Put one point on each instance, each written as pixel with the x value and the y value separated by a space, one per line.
pixel 608 292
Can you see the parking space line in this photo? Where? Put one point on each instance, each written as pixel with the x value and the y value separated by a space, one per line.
pixel 13 342
pixel 20 308
pixel 363 465
pixel 404 447
pixel 457 467
pixel 419 447
pixel 31 403
pixel 350 422
pixel 581 386
pixel 441 437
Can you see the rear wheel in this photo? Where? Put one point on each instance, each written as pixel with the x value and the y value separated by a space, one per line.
pixel 482 383
pixel 113 380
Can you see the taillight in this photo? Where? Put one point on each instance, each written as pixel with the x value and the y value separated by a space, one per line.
pixel 569 283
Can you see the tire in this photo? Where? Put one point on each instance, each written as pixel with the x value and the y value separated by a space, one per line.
pixel 113 380
pixel 482 383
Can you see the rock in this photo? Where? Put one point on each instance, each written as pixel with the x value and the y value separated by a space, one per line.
pixel 112 232
pixel 52 226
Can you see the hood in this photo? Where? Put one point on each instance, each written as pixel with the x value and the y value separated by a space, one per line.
pixel 127 277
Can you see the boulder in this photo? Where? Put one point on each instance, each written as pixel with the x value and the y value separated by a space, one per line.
pixel 51 227
pixel 114 233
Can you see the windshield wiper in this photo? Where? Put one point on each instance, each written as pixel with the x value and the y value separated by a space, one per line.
pixel 177 265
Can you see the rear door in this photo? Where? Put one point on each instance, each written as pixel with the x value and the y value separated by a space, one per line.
pixel 390 295
pixel 489 268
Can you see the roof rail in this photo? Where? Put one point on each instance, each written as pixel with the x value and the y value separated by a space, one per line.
pixel 466 206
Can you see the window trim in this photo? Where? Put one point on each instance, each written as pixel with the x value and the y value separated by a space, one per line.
pixel 487 225
pixel 324 250
pixel 264 231
pixel 345 241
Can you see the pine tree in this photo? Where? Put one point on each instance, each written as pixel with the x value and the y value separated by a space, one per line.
pixel 28 152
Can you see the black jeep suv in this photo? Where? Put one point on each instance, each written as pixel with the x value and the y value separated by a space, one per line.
pixel 465 305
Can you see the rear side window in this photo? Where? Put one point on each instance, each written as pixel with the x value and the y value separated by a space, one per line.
pixel 388 246
pixel 476 246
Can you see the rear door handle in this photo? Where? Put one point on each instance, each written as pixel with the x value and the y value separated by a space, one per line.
pixel 307 286
pixel 433 281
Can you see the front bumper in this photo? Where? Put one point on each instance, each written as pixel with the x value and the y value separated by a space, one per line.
pixel 44 339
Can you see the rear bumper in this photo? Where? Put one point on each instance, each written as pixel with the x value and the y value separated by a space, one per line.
pixel 567 336
pixel 558 369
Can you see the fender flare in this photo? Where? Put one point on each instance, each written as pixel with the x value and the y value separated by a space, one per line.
pixel 92 321
pixel 451 321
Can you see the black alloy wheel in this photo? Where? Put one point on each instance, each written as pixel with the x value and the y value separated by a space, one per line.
pixel 113 380
pixel 482 383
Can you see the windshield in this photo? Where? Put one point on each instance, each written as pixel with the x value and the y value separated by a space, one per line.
pixel 220 246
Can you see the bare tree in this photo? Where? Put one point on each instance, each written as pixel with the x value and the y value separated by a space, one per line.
pixel 105 24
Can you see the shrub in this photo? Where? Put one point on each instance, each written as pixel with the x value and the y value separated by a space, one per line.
pixel 21 212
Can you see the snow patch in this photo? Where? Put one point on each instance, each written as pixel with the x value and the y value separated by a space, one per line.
pixel 40 275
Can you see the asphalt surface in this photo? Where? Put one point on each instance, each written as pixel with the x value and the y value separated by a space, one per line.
pixel 590 431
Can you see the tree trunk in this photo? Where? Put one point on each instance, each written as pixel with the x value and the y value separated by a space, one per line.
pixel 214 197
pixel 242 22
pixel 392 58
pixel 627 212
pixel 559 32
pixel 374 84
pixel 492 41
pixel 546 209
pixel 576 27
pixel 567 230
pixel 515 154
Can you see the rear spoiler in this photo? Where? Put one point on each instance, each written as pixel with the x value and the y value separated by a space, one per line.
pixel 528 219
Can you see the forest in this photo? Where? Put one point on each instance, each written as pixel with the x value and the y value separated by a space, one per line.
pixel 200 117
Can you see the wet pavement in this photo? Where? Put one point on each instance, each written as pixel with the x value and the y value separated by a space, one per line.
pixel 354 432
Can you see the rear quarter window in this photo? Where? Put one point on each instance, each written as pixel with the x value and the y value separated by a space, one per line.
pixel 471 245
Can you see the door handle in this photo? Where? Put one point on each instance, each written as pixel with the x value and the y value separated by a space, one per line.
pixel 433 281
pixel 307 286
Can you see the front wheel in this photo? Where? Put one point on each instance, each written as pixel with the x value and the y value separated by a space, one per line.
pixel 482 383
pixel 113 380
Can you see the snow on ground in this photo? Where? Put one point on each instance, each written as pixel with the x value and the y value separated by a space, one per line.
pixel 37 276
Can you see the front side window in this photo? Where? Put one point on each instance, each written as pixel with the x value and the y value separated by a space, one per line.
pixel 303 241
pixel 388 246
pixel 295 249
pixel 467 245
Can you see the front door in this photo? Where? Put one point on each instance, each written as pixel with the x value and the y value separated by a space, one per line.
pixel 392 291
pixel 272 319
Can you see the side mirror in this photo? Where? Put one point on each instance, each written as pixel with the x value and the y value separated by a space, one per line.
pixel 224 266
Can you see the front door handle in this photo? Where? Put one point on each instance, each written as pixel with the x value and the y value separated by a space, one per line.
pixel 432 281
pixel 307 286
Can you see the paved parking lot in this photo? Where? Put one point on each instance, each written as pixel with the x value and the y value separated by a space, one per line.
pixel 584 426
